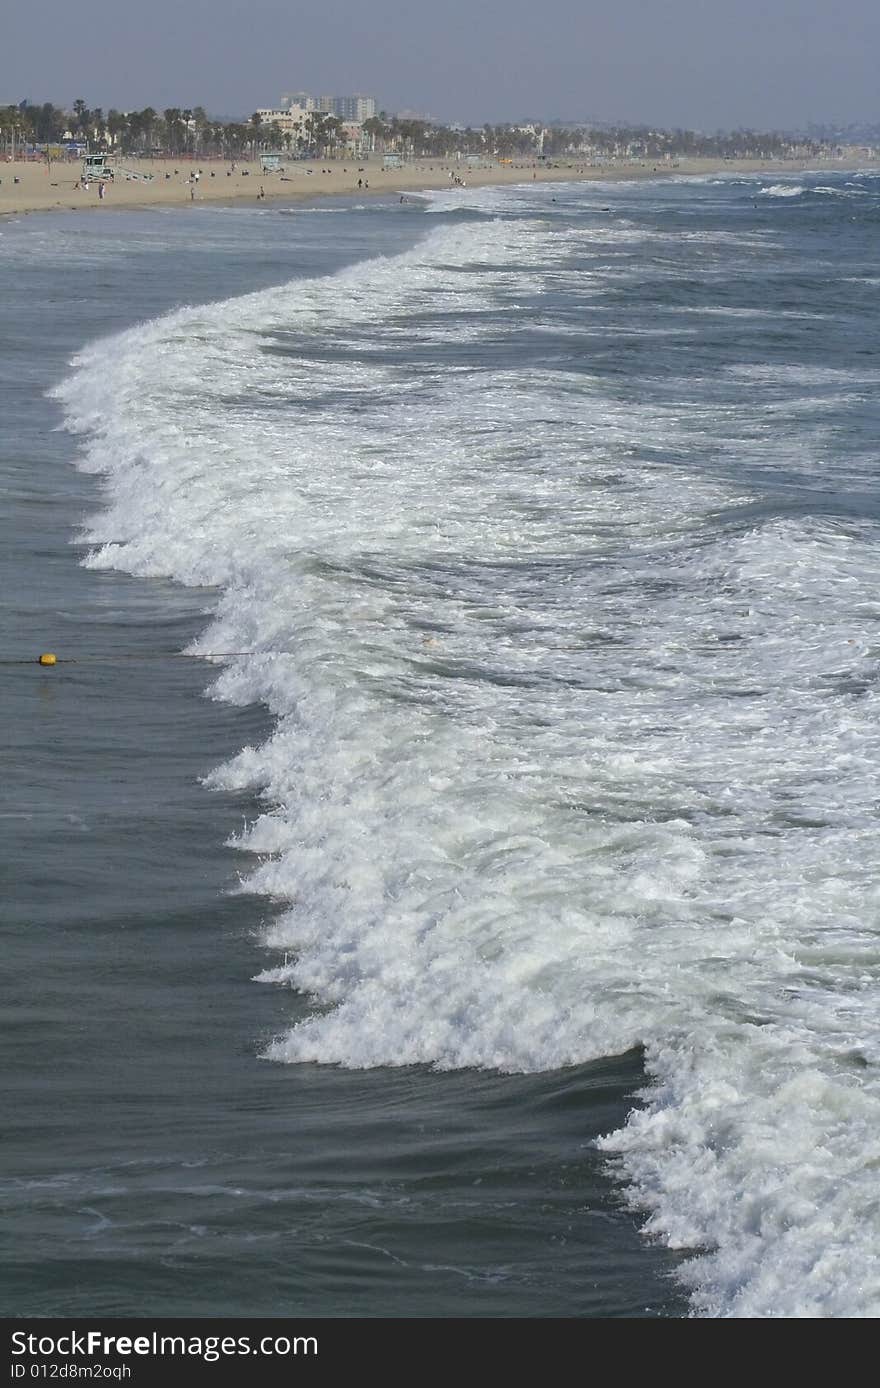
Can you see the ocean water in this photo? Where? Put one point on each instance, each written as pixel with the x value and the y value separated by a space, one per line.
pixel 499 936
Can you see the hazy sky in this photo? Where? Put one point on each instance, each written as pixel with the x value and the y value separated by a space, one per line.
pixel 700 63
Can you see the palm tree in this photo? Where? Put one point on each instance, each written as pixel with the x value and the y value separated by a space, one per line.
pixel 96 125
pixel 375 128
pixel 201 125
pixel 256 130
pixel 316 124
pixel 171 115
pixel 333 128
pixel 148 118
pixel 117 126
pixel 81 111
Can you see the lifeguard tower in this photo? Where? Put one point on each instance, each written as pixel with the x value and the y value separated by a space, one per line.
pixel 97 166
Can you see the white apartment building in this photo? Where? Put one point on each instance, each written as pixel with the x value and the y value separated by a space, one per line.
pixel 290 120
pixel 292 114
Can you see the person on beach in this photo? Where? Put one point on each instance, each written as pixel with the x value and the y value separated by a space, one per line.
pixel 101 188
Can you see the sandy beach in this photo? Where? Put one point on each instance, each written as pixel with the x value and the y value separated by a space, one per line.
pixel 36 187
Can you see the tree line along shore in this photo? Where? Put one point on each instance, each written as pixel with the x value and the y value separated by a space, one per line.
pixel 31 128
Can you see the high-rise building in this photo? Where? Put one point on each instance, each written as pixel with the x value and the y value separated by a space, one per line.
pixel 348 108
pixel 301 100
pixel 359 108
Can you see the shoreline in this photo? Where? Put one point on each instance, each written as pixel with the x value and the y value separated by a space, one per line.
pixel 27 187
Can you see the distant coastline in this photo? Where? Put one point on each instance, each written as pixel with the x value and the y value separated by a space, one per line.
pixel 33 186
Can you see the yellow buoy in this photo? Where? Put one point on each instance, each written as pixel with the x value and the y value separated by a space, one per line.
pixel 47 658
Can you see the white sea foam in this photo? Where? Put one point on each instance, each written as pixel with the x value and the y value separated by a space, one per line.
pixel 561 765
pixel 783 190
